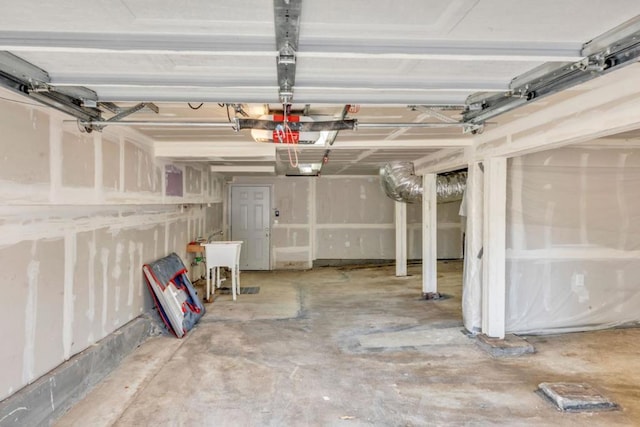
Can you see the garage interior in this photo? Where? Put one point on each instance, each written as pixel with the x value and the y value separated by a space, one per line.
pixel 127 128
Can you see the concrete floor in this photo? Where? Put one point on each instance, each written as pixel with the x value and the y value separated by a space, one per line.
pixel 354 347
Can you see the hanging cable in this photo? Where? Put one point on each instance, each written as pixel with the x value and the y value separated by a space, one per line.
pixel 284 135
pixel 289 137
pixel 195 108
pixel 291 141
pixel 295 154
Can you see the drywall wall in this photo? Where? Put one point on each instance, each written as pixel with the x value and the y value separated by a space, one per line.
pixel 573 239
pixel 354 219
pixel 291 230
pixel 450 230
pixel 53 394
pixel 79 215
pixel 345 218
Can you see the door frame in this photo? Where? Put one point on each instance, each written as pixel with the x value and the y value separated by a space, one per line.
pixel 271 208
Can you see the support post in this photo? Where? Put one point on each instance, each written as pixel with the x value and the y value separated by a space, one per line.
pixel 494 243
pixel 429 237
pixel 472 277
pixel 401 239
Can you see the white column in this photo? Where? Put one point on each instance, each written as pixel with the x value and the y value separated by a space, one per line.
pixel 429 235
pixel 472 277
pixel 401 239
pixel 494 242
pixel 313 245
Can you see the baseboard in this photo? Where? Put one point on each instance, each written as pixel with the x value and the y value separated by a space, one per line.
pixel 344 262
pixel 49 397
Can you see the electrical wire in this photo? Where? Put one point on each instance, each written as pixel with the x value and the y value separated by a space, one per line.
pixel 291 141
pixel 195 108
pixel 285 136
pixel 288 137
pixel 295 155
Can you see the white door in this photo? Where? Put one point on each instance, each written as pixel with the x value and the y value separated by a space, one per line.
pixel 250 222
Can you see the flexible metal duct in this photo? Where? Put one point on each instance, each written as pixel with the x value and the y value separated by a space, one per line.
pixel 450 186
pixel 400 183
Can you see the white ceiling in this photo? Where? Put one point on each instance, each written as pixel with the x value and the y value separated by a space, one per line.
pixel 381 55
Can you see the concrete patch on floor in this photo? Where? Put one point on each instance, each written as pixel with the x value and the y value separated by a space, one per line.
pixel 576 397
pixel 244 290
pixel 314 369
pixel 435 296
pixel 511 345
pixel 272 302
pixel 414 337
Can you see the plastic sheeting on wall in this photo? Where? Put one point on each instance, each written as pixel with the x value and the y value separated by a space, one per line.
pixel 471 208
pixel 573 240
pixel 449 232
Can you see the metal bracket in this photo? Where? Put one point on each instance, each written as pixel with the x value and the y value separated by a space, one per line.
pixel 287 54
pixel 89 126
pixel 610 51
pixel 473 128
pixel 25 78
pixel 331 125
pixel 433 113
pixel 287 25
pixel 110 106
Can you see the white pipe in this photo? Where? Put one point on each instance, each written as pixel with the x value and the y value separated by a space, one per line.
pixel 411 125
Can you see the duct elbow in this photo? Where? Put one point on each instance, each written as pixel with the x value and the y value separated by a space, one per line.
pixel 400 183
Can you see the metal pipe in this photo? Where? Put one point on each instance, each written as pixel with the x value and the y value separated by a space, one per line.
pixel 155 123
pixel 400 183
pixel 411 125
pixel 450 186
